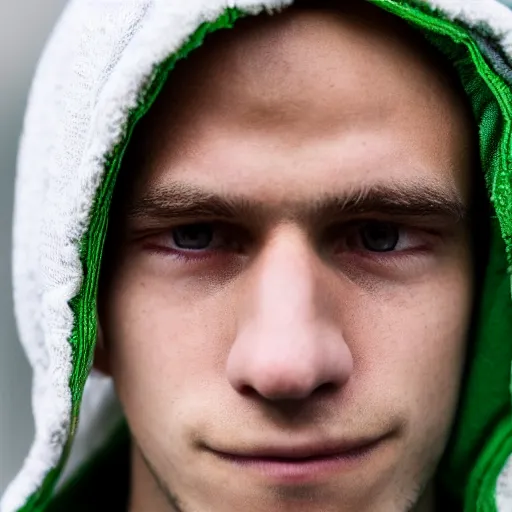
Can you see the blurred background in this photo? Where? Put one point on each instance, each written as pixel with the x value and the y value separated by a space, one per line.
pixel 24 27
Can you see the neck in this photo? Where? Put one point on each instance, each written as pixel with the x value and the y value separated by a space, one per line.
pixel 147 493
pixel 427 502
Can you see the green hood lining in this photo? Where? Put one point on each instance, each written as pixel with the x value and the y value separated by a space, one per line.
pixel 482 437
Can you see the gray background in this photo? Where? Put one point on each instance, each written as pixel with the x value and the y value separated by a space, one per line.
pixel 24 27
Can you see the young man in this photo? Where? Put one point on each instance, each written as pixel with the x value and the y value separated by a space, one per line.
pixel 304 301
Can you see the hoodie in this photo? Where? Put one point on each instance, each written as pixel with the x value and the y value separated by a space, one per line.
pixel 102 69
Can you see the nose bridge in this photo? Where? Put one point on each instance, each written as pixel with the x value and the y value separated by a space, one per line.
pixel 284 284
pixel 286 344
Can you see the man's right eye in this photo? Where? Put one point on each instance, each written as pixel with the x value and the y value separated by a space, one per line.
pixel 196 241
pixel 193 237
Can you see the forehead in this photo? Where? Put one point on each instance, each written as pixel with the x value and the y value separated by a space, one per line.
pixel 294 57
pixel 276 85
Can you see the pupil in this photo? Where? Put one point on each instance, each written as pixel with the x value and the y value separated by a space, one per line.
pixel 380 237
pixel 195 236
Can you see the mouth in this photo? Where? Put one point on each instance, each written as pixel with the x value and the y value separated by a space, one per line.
pixel 302 464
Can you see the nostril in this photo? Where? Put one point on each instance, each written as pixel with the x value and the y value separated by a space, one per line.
pixel 282 389
pixel 247 391
pixel 327 388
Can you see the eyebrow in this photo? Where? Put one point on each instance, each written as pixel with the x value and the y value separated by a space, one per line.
pixel 181 200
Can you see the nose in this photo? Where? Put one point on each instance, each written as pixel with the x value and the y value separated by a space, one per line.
pixel 289 342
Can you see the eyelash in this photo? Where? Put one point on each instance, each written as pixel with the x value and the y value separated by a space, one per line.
pixel 338 232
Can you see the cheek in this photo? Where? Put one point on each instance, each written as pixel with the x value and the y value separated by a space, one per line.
pixel 165 343
pixel 411 350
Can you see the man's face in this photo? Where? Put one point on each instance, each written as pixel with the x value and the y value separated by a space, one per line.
pixel 291 275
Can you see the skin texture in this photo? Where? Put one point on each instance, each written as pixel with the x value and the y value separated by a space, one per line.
pixel 286 329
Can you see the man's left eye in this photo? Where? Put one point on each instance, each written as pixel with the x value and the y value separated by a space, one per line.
pixel 379 236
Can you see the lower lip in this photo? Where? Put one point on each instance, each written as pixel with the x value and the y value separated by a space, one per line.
pixel 300 471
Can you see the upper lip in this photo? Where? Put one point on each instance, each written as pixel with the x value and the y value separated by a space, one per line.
pixel 301 451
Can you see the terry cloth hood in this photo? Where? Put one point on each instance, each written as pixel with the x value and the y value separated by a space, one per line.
pixel 101 71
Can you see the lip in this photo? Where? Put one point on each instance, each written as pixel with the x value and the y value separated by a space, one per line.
pixel 302 463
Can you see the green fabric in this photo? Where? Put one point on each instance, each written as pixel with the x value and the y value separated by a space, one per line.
pixel 482 436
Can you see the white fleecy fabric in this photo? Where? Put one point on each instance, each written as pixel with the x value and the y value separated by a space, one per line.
pixel 90 75
pixel 504 488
